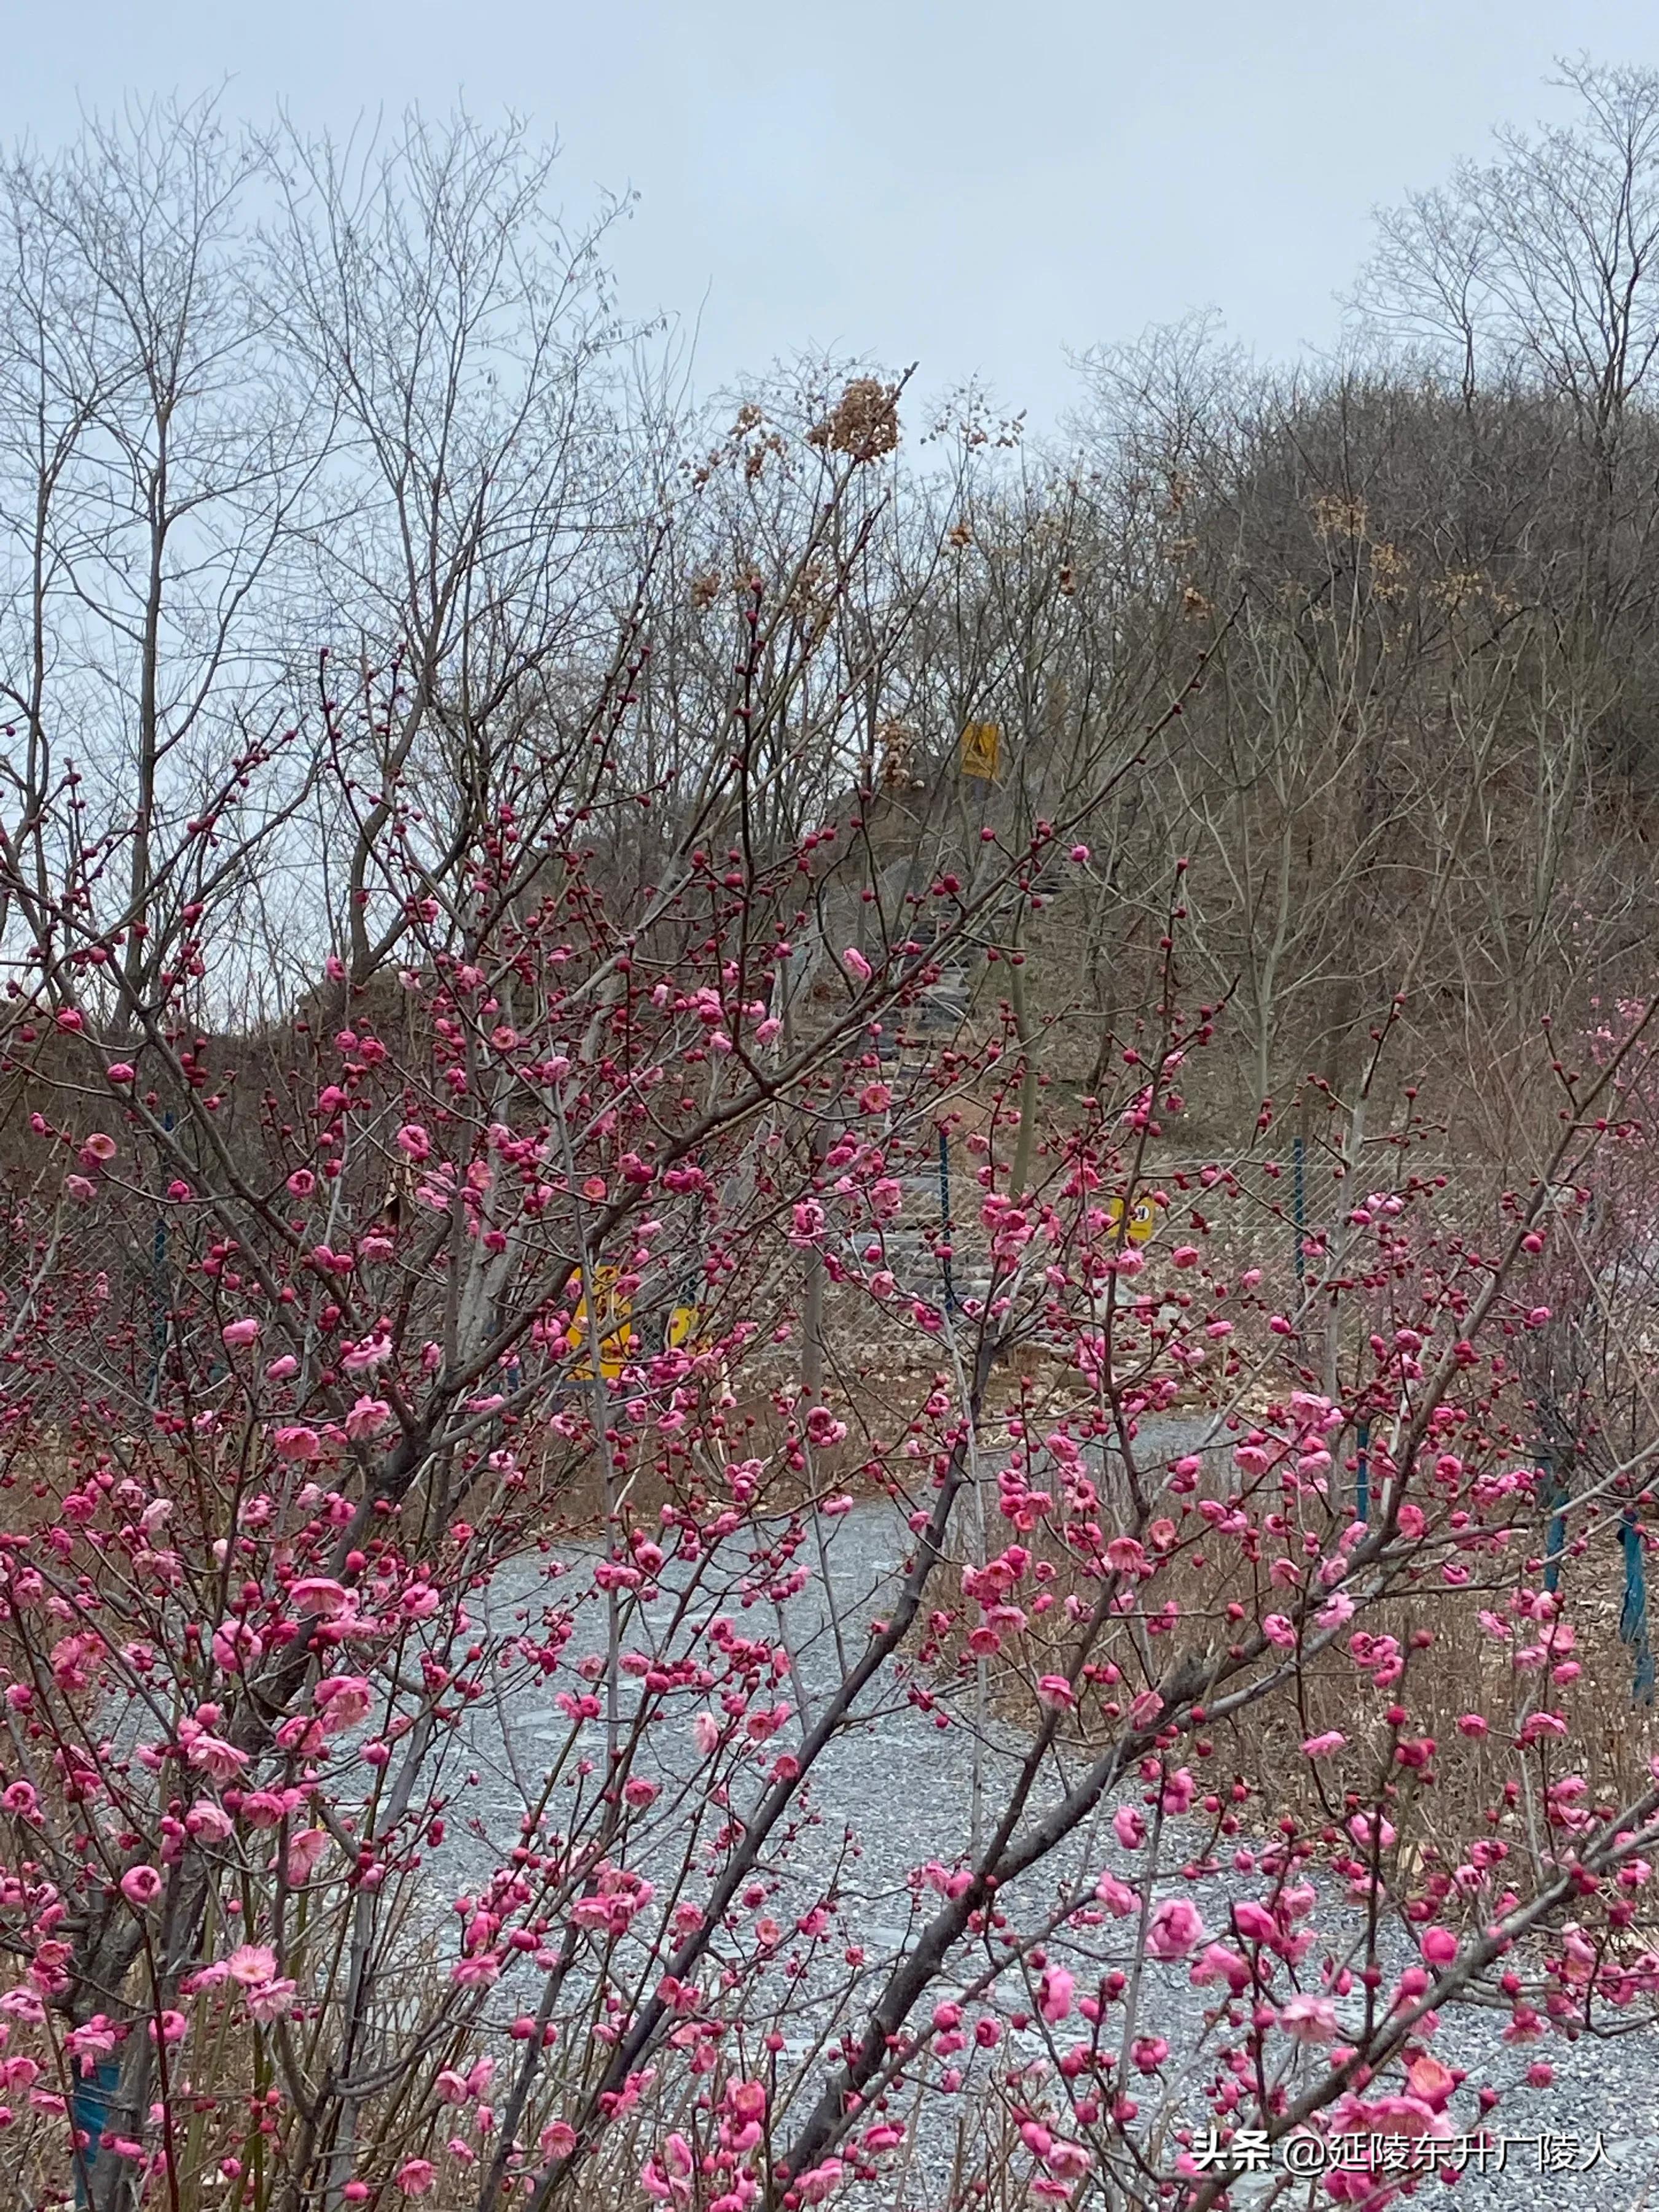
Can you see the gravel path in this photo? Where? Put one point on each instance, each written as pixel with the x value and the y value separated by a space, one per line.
pixel 896 1787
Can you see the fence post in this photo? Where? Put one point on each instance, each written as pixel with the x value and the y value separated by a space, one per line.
pixel 944 1219
pixel 1298 1201
pixel 158 1295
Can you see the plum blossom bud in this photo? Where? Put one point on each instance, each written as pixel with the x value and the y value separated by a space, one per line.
pixel 141 1885
pixel 1055 2001
pixel 1119 1899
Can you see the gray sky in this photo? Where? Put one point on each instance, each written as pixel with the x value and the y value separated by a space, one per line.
pixel 973 187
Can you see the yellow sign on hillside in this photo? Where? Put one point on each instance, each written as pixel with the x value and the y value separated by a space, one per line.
pixel 615 1329
pixel 982 748
pixel 1142 1218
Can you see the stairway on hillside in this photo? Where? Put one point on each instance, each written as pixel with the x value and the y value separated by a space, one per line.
pixel 940 1192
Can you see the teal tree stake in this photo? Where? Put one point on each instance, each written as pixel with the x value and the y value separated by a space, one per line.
pixel 89 2105
pixel 1556 1543
pixel 1362 1472
pixel 1633 1620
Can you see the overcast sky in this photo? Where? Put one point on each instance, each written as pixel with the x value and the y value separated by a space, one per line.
pixel 973 187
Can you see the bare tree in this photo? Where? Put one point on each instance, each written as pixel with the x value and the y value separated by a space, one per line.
pixel 158 458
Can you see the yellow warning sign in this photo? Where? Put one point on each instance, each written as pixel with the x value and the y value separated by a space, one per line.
pixel 683 1332
pixel 982 750
pixel 1142 1218
pixel 616 1332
